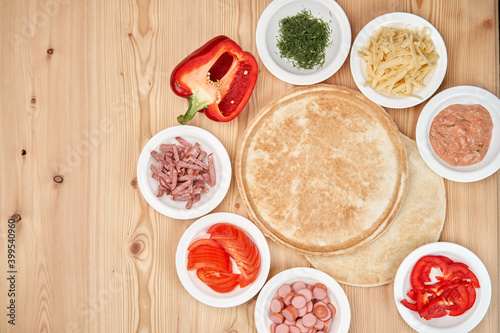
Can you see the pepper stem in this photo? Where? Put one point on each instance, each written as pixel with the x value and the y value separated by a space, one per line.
pixel 195 105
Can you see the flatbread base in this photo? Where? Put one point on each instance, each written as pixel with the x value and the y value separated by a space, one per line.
pixel 322 170
pixel 418 222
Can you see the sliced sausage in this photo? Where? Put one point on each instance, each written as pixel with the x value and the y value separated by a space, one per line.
pixel 282 328
pixel 288 298
pixel 277 305
pixel 290 313
pixel 284 289
pixel 302 311
pixel 309 320
pixel 294 329
pixel 273 327
pixel 321 311
pixel 332 309
pixel 319 324
pixel 309 306
pixel 299 324
pixel 306 293
pixel 325 300
pixel 299 301
pixel 327 325
pixel 276 317
pixel 320 291
pixel 298 286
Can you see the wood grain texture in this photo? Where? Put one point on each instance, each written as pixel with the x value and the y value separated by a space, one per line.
pixel 85 84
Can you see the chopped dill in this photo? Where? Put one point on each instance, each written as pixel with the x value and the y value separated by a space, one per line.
pixel 303 40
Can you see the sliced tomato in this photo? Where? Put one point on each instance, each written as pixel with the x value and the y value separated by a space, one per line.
pixel 243 251
pixel 218 281
pixel 223 289
pixel 209 257
pixel 216 278
pixel 203 241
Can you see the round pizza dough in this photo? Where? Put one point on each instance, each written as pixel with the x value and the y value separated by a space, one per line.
pixel 322 170
pixel 418 222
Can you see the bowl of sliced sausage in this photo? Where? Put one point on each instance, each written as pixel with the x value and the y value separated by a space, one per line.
pixel 300 300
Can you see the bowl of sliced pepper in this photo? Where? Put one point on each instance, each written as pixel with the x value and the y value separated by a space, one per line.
pixel 442 287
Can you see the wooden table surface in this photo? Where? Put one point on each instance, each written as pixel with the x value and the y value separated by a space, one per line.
pixel 85 84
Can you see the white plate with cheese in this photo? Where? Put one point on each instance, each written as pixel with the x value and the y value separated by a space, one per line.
pixel 431 81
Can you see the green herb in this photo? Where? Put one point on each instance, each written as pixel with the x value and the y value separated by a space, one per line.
pixel 303 40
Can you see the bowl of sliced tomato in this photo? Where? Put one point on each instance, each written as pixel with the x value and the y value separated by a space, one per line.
pixel 223 260
pixel 442 287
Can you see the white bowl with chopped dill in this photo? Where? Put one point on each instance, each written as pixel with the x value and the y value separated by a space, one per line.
pixel 303 42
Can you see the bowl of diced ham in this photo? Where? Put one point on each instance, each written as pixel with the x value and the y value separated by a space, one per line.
pixel 184 172
pixel 302 299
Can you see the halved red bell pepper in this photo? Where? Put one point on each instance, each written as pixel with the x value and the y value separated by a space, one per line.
pixel 218 78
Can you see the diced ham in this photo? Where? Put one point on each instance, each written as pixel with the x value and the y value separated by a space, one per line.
pixel 211 170
pixel 182 172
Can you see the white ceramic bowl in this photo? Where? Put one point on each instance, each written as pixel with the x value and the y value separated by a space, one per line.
pixel 460 95
pixel 268 31
pixel 342 319
pixel 176 209
pixel 446 324
pixel 200 290
pixel 398 20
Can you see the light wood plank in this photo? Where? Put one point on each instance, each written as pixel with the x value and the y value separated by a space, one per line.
pixel 85 84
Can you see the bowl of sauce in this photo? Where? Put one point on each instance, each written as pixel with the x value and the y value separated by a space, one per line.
pixel 458 133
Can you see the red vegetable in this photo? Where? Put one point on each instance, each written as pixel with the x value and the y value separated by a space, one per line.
pixel 219 281
pixel 240 248
pixel 422 269
pixel 211 258
pixel 453 294
pixel 218 78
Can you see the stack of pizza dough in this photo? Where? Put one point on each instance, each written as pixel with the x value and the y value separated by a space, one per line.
pixel 325 172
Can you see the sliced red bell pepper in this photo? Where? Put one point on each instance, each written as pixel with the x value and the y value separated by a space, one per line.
pixel 461 271
pixel 453 294
pixel 421 270
pixel 435 308
pixel 459 297
pixel 218 78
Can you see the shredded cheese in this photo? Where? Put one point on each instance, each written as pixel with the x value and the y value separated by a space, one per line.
pixel 397 60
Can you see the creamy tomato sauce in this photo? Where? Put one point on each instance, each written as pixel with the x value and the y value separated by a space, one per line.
pixel 461 134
